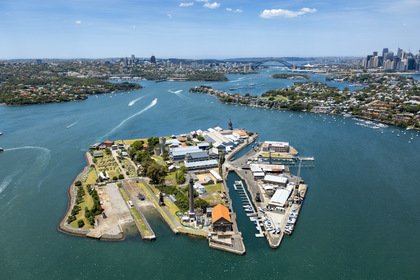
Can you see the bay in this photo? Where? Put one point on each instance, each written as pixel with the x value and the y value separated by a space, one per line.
pixel 360 219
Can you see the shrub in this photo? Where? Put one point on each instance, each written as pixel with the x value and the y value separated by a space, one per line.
pixel 71 219
pixel 77 183
pixel 80 223
pixel 180 177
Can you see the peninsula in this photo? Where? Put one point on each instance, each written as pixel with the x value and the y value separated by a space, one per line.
pixel 184 178
pixel 386 98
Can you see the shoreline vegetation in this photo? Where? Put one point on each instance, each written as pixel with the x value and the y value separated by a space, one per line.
pixel 386 98
pixel 291 76
pixel 57 89
pixel 31 83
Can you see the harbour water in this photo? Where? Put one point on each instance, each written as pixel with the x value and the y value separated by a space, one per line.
pixel 360 218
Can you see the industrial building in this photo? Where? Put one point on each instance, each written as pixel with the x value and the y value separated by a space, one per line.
pixel 278 180
pixel 178 154
pixel 196 156
pixel 221 220
pixel 275 147
pixel 201 164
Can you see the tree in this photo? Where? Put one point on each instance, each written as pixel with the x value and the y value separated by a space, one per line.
pixel 108 151
pixel 183 168
pixel 200 137
pixel 80 223
pixel 152 141
pixel 200 203
pixel 77 183
pixel 121 176
pixel 156 172
pixel 180 177
pixel 138 145
pixel 142 156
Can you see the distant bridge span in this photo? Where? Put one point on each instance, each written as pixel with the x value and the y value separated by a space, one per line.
pixel 258 62
pixel 281 61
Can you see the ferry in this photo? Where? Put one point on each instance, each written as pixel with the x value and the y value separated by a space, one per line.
pixel 1 149
pixel 1 133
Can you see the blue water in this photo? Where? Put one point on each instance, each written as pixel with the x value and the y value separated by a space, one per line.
pixel 360 220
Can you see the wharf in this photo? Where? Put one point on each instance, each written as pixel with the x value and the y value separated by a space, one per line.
pixel 278 219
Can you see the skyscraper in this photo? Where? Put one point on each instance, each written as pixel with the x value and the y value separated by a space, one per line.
pixel 384 51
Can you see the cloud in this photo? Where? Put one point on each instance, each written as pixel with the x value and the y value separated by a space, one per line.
pixel 186 4
pixel 212 5
pixel 202 1
pixel 169 16
pixel 235 11
pixel 134 26
pixel 276 13
pixel 78 21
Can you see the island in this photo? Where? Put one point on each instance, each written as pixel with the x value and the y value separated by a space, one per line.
pixel 184 178
pixel 291 76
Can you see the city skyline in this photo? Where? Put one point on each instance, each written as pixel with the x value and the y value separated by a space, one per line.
pixel 205 29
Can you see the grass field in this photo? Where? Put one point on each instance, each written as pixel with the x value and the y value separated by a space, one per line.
pixel 91 178
pixel 87 202
pixel 130 141
pixel 170 178
pixel 214 188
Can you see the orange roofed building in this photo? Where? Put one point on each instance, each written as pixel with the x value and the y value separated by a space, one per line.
pixel 108 143
pixel 221 220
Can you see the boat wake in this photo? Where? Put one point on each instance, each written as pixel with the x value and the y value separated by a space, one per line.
pixel 237 80
pixel 180 95
pixel 38 165
pixel 6 182
pixel 130 117
pixel 134 101
pixel 70 125
pixel 29 147
pixel 175 91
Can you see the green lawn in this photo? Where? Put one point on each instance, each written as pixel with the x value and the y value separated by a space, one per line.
pixel 124 194
pixel 170 177
pixel 276 98
pixel 91 178
pixel 87 202
pixel 214 188
pixel 213 199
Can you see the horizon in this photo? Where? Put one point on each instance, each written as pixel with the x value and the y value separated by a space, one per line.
pixel 168 58
pixel 195 29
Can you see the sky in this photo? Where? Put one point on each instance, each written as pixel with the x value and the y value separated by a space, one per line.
pixel 206 28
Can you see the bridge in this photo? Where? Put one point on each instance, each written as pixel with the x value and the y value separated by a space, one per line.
pixel 258 62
